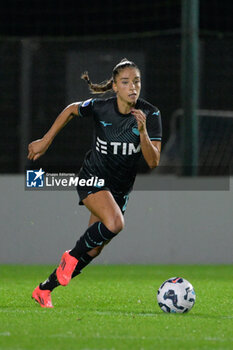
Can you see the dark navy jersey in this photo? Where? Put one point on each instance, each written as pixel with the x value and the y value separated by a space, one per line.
pixel 116 144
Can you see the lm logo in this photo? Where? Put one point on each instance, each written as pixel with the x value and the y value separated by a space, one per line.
pixel 35 178
pixel 123 148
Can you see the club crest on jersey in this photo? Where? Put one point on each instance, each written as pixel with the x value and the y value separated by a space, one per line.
pixel 122 148
pixel 136 131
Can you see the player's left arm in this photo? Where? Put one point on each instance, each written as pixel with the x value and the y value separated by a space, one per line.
pixel 150 149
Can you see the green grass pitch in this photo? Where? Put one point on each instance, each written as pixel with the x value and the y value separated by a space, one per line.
pixel 114 308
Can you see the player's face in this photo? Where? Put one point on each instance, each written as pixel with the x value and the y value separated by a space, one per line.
pixel 128 86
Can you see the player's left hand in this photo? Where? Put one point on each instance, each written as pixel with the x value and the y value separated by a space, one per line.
pixel 141 119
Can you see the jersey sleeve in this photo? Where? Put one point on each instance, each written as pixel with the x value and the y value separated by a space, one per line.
pixel 154 125
pixel 85 108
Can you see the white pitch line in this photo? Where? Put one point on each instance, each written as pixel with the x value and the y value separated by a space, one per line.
pixel 122 313
pixel 95 336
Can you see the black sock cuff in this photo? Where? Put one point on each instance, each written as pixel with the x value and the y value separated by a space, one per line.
pixel 96 235
pixel 104 232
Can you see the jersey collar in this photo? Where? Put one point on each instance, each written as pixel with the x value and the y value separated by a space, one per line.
pixel 119 113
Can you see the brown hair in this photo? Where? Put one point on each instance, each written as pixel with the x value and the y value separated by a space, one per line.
pixel 107 85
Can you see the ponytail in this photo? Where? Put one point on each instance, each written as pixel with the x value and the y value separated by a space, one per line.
pixel 107 85
pixel 97 88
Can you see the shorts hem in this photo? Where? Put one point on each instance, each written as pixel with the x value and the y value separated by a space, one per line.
pixel 85 193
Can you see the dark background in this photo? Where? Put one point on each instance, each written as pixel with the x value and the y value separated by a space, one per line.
pixel 100 33
pixel 68 18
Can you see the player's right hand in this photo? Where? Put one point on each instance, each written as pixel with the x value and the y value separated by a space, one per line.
pixel 37 148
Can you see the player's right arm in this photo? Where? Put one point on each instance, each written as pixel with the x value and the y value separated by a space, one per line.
pixel 37 148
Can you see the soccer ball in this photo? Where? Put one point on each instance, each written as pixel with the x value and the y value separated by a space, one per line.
pixel 176 295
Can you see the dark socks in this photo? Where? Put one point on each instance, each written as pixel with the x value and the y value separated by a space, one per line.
pixel 51 283
pixel 95 236
pixel 83 262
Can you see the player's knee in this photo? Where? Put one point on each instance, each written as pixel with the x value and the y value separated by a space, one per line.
pixel 115 224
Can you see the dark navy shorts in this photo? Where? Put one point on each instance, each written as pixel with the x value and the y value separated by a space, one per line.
pixel 83 191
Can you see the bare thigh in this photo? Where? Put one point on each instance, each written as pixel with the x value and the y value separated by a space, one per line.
pixel 103 206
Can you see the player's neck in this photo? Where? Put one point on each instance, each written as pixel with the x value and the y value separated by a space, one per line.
pixel 124 107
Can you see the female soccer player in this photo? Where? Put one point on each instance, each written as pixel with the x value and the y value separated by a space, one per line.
pixel 125 127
